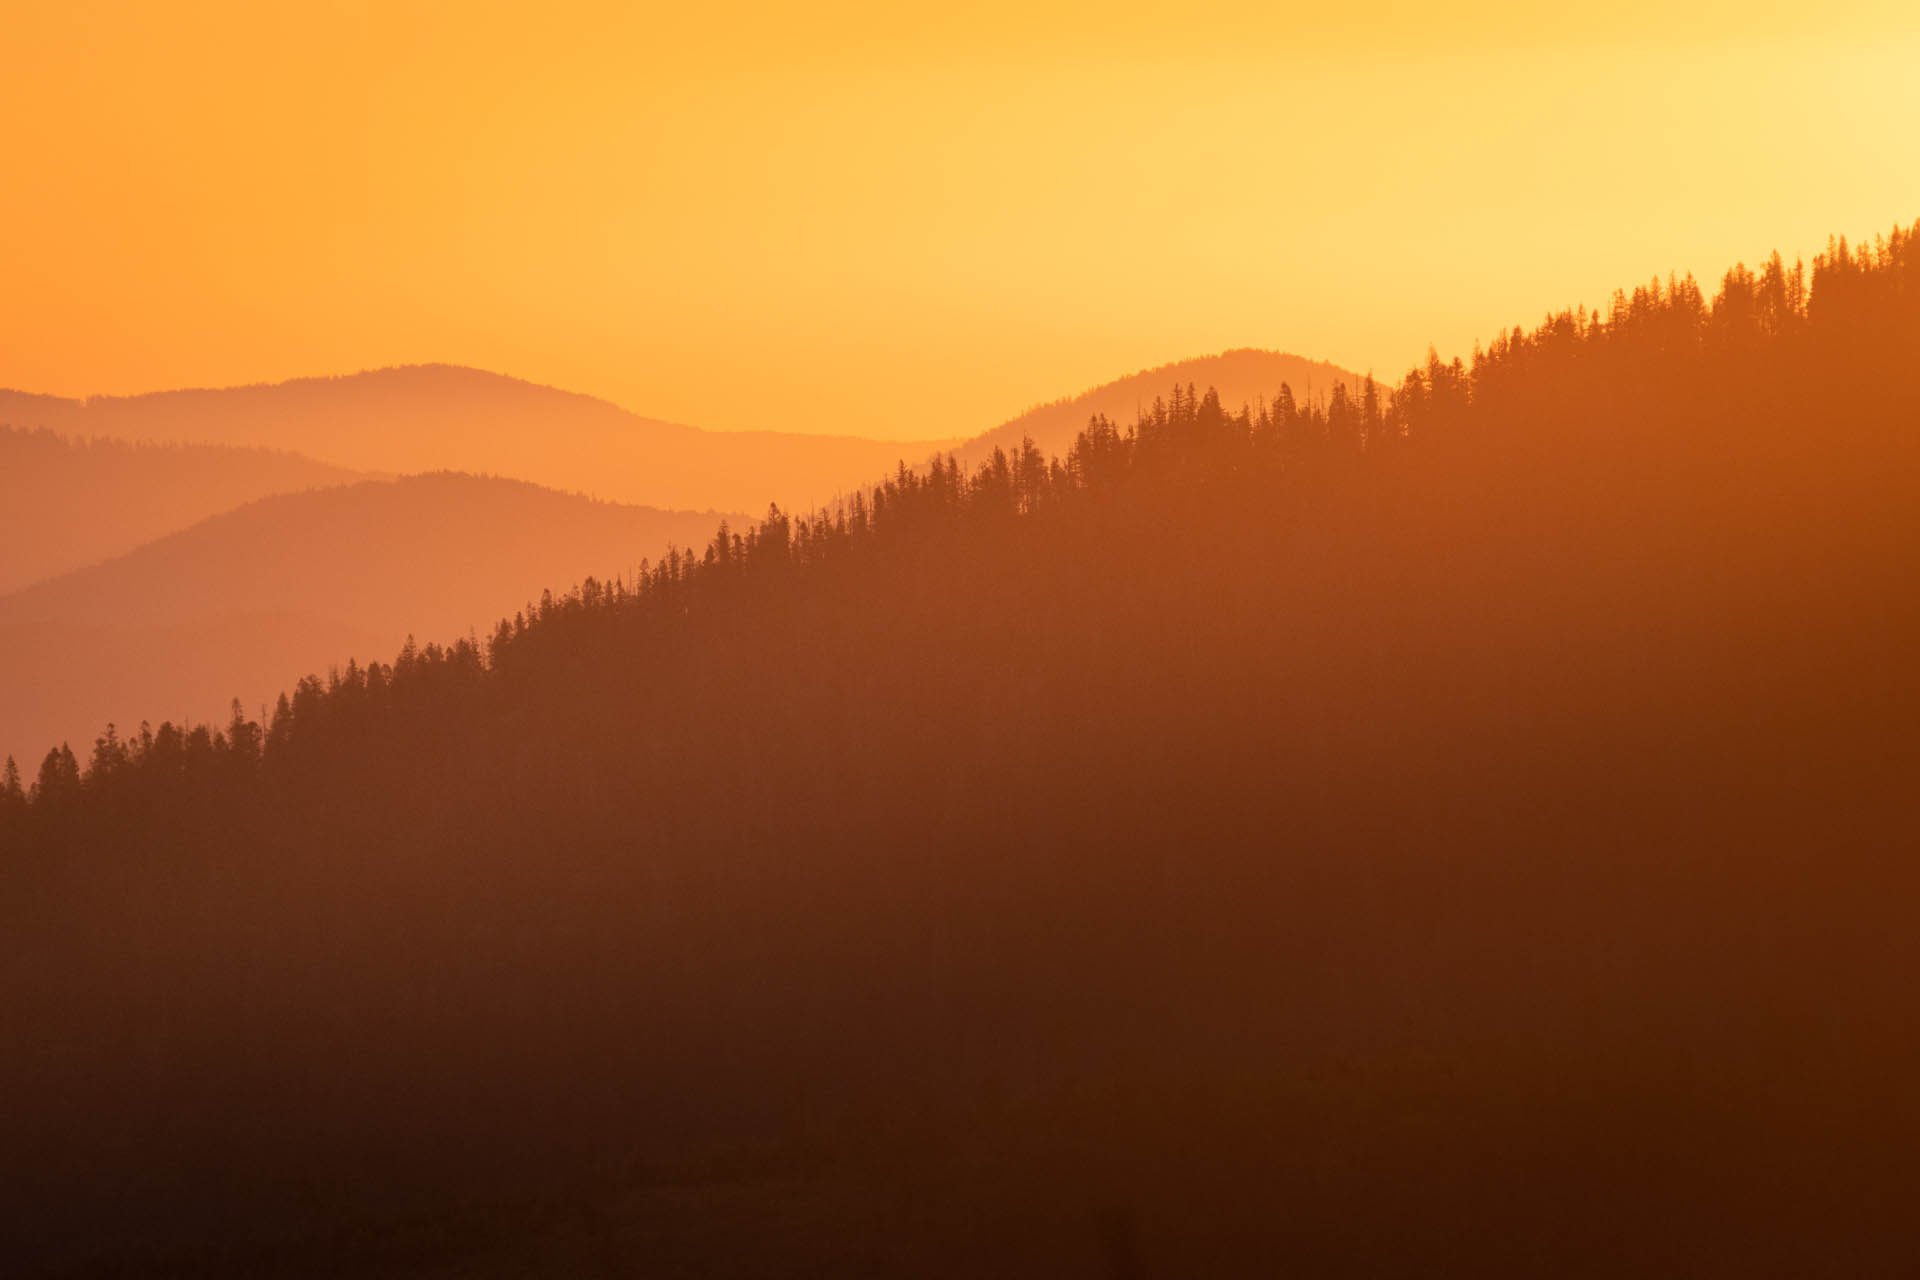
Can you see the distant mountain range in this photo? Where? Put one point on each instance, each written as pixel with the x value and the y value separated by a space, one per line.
pixel 66 503
pixel 439 417
pixel 444 417
pixel 245 603
pixel 242 538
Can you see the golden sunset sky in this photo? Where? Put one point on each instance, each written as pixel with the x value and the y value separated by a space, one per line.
pixel 891 219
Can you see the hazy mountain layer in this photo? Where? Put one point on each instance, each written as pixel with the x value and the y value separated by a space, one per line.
pixel 246 602
pixel 434 417
pixel 66 503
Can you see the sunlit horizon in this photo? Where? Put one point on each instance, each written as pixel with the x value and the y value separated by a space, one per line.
pixel 900 226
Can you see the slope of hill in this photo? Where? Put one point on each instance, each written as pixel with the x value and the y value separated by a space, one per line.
pixel 438 417
pixel 1240 377
pixel 245 602
pixel 444 417
pixel 1473 837
pixel 66 503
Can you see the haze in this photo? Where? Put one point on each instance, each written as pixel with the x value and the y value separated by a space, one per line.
pixel 857 219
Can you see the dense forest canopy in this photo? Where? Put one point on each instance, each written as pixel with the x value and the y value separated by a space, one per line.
pixel 1466 824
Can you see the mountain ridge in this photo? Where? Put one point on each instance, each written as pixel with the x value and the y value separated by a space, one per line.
pixel 244 602
pixel 409 419
pixel 417 418
pixel 71 501
pixel 1241 376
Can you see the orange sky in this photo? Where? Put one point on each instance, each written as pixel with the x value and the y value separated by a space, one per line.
pixel 858 217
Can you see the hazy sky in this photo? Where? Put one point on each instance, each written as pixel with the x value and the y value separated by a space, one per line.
pixel 862 217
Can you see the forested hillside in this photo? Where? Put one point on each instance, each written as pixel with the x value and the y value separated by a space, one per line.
pixel 1469 831
pixel 1242 376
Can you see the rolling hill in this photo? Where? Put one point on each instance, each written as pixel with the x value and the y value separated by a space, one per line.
pixel 256 596
pixel 443 417
pixel 1241 376
pixel 245 602
pixel 66 503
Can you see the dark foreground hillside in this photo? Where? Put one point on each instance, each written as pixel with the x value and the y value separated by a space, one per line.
pixel 1468 835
